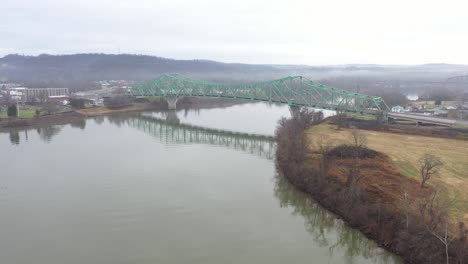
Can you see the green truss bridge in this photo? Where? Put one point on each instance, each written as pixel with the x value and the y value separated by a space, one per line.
pixel 294 91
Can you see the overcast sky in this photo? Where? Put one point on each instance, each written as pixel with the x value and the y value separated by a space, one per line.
pixel 248 31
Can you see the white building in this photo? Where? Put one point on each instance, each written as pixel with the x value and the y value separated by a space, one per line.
pixel 16 93
pixel 24 94
pixel 32 93
pixel 398 109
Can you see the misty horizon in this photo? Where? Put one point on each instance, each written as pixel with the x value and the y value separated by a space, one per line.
pixel 229 62
pixel 255 32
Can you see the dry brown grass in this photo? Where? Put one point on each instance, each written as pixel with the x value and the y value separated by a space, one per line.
pixel 406 150
pixel 382 181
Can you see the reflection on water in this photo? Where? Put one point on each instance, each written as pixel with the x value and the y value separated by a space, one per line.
pixel 81 124
pixel 14 138
pixel 252 118
pixel 48 132
pixel 99 119
pixel 172 118
pixel 170 132
pixel 327 230
pixel 151 188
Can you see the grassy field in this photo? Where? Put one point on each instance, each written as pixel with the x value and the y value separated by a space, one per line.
pixel 405 152
pixel 29 111
pixel 25 112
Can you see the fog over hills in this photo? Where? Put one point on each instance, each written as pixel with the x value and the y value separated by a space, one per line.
pixel 79 68
pixel 79 71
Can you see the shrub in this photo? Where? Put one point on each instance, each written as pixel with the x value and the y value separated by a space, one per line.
pixel 77 103
pixel 349 151
pixel 12 111
pixel 118 102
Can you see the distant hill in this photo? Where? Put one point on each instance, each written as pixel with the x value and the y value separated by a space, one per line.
pixel 81 69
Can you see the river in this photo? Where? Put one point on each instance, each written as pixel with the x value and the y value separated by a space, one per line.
pixel 181 187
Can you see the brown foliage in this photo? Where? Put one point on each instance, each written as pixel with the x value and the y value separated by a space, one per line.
pixel 118 102
pixel 290 136
pixel 347 151
pixel 372 203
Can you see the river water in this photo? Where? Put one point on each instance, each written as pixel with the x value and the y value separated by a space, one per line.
pixel 181 187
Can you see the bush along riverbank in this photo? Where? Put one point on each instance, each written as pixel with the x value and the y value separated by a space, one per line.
pixel 362 187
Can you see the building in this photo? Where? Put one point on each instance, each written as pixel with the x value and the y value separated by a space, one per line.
pixel 398 109
pixel 59 99
pixel 27 95
pixel 33 94
pixel 16 93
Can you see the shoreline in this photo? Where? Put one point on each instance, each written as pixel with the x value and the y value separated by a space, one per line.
pixel 80 114
pixel 372 206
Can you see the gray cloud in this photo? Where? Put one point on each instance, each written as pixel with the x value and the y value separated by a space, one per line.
pixel 251 31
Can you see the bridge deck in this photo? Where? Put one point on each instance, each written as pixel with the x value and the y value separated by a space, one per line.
pixel 427 119
pixel 291 90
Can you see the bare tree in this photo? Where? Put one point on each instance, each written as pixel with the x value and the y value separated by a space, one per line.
pixel 359 139
pixel 406 207
pixel 324 146
pixel 430 165
pixel 43 96
pixel 461 248
pixel 434 211
pixel 50 108
pixel 340 119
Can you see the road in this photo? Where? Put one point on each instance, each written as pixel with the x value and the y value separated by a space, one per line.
pixel 428 119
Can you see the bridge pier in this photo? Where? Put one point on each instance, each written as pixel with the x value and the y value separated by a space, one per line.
pixel 294 110
pixel 171 102
pixel 383 118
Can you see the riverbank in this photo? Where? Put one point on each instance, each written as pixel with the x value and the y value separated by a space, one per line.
pixel 70 116
pixel 404 146
pixel 368 192
pixel 54 119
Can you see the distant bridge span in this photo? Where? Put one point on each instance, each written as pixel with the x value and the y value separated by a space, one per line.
pixel 176 133
pixel 292 90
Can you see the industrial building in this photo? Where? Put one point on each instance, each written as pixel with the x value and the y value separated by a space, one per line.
pixel 27 95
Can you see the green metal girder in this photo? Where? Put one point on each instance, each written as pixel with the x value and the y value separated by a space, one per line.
pixel 291 90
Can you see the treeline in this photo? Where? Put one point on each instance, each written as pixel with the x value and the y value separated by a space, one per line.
pixel 394 91
pixel 79 71
pixel 420 234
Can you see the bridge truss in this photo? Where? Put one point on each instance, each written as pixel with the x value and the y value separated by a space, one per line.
pixel 293 90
